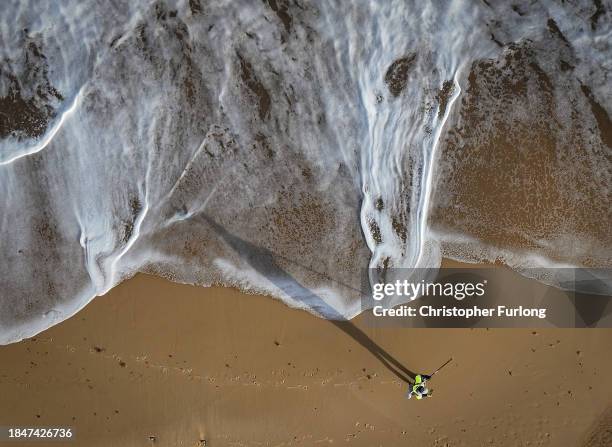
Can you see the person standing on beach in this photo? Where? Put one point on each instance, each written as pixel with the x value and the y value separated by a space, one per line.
pixel 419 387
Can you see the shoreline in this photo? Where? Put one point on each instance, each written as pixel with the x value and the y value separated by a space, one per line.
pixel 74 308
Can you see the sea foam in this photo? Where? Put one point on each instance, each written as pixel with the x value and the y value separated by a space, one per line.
pixel 285 147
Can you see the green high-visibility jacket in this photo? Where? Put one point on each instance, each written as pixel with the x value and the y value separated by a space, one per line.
pixel 418 381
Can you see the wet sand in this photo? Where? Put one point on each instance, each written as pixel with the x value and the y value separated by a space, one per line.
pixel 160 364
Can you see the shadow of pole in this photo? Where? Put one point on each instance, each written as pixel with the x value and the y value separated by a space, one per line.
pixel 262 260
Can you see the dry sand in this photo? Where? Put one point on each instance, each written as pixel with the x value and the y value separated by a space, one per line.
pixel 183 364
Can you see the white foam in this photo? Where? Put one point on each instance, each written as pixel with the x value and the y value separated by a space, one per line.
pixel 163 128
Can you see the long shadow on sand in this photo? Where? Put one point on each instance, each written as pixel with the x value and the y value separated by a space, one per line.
pixel 262 260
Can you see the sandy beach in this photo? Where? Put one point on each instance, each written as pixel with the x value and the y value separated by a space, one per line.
pixel 158 363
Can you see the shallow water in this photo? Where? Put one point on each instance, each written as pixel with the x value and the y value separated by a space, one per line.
pixel 202 141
